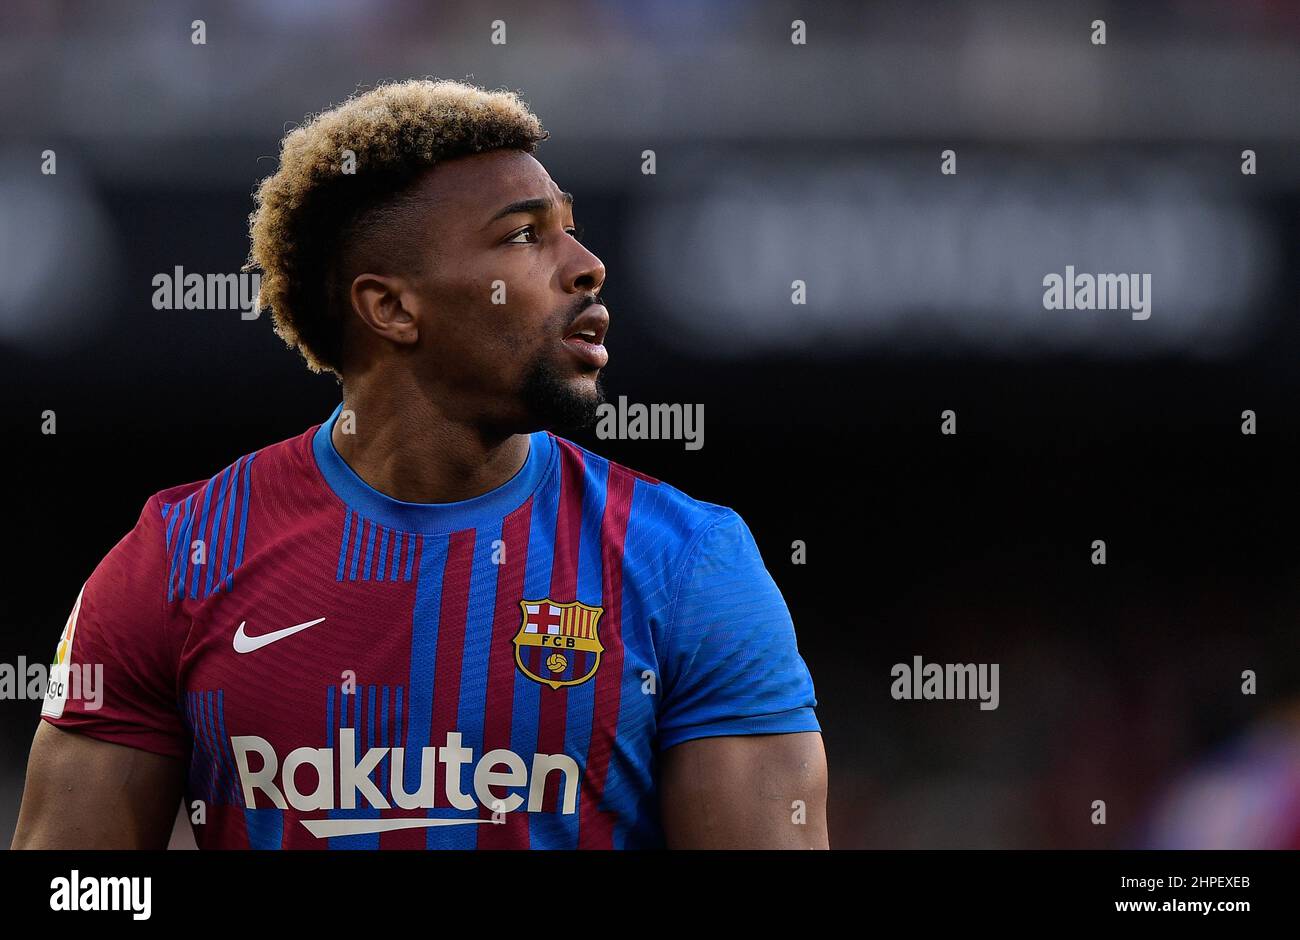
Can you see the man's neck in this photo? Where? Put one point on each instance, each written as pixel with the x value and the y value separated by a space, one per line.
pixel 414 452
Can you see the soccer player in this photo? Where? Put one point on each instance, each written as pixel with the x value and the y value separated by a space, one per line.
pixel 429 622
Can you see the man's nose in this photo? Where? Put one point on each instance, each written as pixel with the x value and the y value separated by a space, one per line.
pixel 586 273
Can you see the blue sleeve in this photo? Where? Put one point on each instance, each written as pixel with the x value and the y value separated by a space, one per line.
pixel 731 664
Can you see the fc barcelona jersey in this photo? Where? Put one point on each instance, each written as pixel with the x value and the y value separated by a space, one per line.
pixel 340 669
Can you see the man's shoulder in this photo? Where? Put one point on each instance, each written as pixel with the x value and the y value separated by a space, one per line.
pixel 665 510
pixel 276 464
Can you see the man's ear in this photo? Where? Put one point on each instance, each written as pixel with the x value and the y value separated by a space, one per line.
pixel 377 300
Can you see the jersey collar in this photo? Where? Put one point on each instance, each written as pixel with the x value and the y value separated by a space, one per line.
pixel 429 518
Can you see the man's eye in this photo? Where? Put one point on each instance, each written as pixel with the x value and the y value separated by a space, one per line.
pixel 528 235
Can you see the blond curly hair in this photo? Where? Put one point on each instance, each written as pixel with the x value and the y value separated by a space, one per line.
pixel 310 211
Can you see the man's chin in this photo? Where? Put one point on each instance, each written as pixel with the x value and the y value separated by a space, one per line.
pixel 559 402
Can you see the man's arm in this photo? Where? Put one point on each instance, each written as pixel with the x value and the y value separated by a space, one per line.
pixel 83 793
pixel 761 791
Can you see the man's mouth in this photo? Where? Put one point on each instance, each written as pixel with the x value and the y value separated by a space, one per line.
pixel 586 336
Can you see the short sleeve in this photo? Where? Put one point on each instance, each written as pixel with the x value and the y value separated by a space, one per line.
pixel 113 675
pixel 731 665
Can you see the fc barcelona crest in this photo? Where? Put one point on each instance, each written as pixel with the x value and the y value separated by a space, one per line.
pixel 558 644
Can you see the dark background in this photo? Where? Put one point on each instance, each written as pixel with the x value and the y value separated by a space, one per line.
pixel 774 162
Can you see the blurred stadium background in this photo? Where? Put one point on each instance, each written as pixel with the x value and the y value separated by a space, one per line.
pixel 775 162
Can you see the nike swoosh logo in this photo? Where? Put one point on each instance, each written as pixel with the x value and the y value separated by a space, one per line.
pixel 248 644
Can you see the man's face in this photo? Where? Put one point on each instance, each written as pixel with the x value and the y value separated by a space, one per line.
pixel 510 328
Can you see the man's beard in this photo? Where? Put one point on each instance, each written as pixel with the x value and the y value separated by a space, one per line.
pixel 554 404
